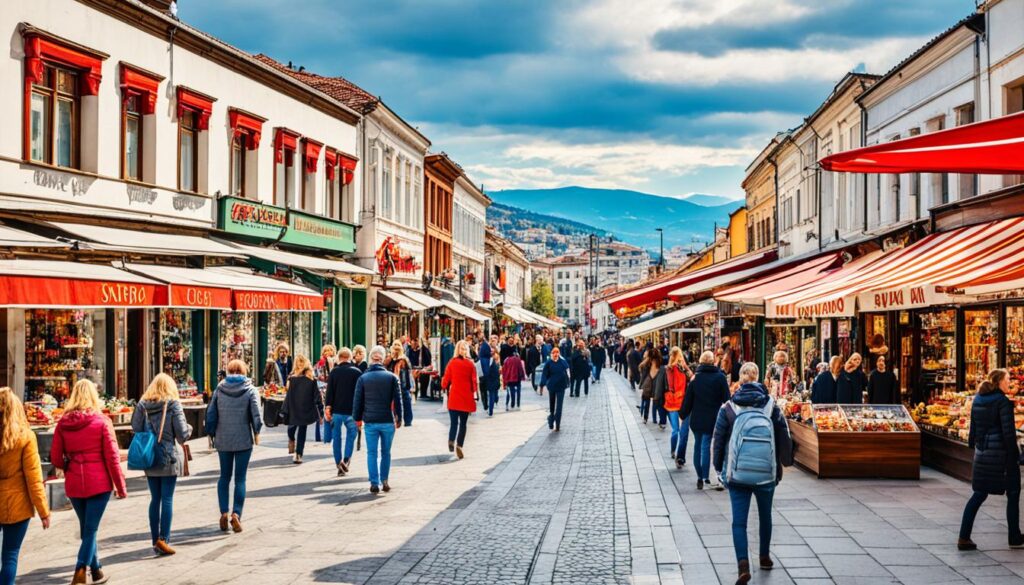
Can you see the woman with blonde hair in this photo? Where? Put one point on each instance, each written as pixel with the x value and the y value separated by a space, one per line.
pixel 359 357
pixel 233 420
pixel 302 405
pixel 85 448
pixel 160 412
pixel 398 364
pixel 462 385
pixel 21 487
pixel 677 374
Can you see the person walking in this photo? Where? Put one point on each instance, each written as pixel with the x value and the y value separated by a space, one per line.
pixel 705 395
pixel 823 390
pixel 321 371
pixel 598 357
pixel 633 359
pixel 649 369
pixel 996 469
pixel 85 449
pixel 398 364
pixel 302 406
pixel 580 369
pixel 676 377
pixel 341 389
pixel 490 383
pixel 534 358
pixel 159 411
pixel 283 360
pixel 377 399
pixel 233 422
pixel 883 387
pixel 420 362
pixel 22 494
pixel 461 383
pixel 852 382
pixel 513 372
pixel 751 446
pixel 555 377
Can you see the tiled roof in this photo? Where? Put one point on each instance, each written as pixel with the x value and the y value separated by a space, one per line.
pixel 339 88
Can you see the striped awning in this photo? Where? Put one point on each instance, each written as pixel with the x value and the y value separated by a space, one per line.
pixel 669 319
pixel 754 292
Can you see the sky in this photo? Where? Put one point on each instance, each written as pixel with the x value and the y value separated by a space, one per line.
pixel 668 97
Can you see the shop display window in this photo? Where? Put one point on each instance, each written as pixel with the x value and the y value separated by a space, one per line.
pixel 62 347
pixel 938 351
pixel 876 331
pixel 981 345
pixel 177 359
pixel 1015 347
pixel 302 336
pixel 279 330
pixel 238 336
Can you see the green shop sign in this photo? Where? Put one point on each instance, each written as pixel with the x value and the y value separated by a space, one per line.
pixel 256 220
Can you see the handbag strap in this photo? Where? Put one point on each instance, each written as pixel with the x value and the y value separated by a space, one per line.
pixel 163 420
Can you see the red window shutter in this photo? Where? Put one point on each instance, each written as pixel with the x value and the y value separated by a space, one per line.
pixel 201 104
pixel 284 138
pixel 311 154
pixel 40 49
pixel 348 167
pixel 330 162
pixel 246 123
pixel 142 83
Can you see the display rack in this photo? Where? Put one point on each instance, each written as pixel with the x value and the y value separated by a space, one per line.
pixel 58 352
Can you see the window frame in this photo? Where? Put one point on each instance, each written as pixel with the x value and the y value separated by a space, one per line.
pixel 238 150
pixel 50 89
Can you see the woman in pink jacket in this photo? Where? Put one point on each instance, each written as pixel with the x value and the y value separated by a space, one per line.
pixel 84 446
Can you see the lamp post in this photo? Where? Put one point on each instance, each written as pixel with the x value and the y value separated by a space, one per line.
pixel 661 249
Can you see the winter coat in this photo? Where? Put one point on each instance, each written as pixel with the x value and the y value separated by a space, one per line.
pixel 461 382
pixel 378 396
pixel 237 406
pixel 633 359
pixel 21 482
pixel 504 351
pixel 533 357
pixel 756 395
pixel 580 364
pixel 418 358
pixel 341 388
pixel 176 429
pixel 850 386
pixel 675 391
pixel 705 395
pixel 883 388
pixel 303 403
pixel 555 375
pixel 513 370
pixel 545 352
pixel 85 447
pixel 598 355
pixel 490 379
pixel 565 348
pixel 994 440
pixel 823 390
pixel 363 366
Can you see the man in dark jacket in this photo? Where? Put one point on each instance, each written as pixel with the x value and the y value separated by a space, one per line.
pixel 377 398
pixel 705 395
pixel 341 390
pixel 598 357
pixel 633 359
pixel 579 365
pixel 565 347
pixel 534 358
pixel 555 377
pixel 419 361
pixel 825 386
pixel 751 395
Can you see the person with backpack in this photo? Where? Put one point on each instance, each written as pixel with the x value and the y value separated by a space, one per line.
pixel 751 446
pixel 233 421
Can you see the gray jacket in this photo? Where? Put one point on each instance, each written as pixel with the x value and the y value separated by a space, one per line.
pixel 238 413
pixel 175 429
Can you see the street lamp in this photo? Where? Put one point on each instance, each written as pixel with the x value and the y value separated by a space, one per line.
pixel 661 249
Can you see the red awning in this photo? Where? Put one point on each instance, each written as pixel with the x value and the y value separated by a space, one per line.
pixel 753 292
pixel 252 292
pixel 54 284
pixel 659 290
pixel 990 147
pixel 189 288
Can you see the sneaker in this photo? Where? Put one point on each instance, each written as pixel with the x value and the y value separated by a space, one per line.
pixel 966 544
pixel 1017 543
pixel 298 459
pixel 716 485
pixel 662 427
pixel 700 484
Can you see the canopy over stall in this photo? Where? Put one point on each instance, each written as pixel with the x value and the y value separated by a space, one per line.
pixel 145 242
pixel 753 292
pixel 779 269
pixel 668 319
pixel 401 300
pixel 464 311
pixel 41 284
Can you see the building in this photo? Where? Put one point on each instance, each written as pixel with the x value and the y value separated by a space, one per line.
pixel 468 227
pixel 761 185
pixel 508 279
pixel 568 283
pixel 737 236
pixel 439 190
pixel 620 264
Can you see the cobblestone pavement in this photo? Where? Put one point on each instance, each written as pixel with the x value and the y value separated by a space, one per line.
pixel 598 502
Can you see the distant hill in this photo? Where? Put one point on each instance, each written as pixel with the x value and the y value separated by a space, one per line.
pixel 708 200
pixel 631 216
pixel 540 234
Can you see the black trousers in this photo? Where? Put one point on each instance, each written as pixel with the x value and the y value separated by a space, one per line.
pixel 576 382
pixel 423 383
pixel 457 428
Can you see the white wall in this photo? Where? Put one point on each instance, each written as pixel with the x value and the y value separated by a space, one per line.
pixel 1002 73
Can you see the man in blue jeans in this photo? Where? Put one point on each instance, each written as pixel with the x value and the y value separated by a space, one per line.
pixel 750 400
pixel 378 396
pixel 341 390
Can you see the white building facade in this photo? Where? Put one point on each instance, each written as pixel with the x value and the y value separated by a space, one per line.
pixel 469 220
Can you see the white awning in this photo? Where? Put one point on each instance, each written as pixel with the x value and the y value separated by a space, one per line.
pixel 15 238
pixel 465 311
pixel 401 300
pixel 520 315
pixel 145 242
pixel 302 260
pixel 541 319
pixel 240 277
pixel 423 299
pixel 68 270
pixel 669 319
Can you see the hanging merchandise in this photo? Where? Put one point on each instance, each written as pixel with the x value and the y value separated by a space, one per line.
pixel 238 334
pixel 176 350
pixel 60 350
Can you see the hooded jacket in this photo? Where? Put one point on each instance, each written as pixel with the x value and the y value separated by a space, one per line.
pixel 169 464
pixel 705 395
pixel 994 440
pixel 85 447
pixel 756 395
pixel 237 406
pixel 21 482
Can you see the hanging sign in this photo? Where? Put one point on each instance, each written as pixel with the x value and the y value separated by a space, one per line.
pixel 266 222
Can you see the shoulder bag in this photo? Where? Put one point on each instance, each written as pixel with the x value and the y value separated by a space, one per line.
pixel 142 453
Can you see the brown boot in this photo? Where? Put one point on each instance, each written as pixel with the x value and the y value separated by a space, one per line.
pixel 236 523
pixel 162 548
pixel 224 522
pixel 291 447
pixel 98 578
pixel 744 573
pixel 966 544
pixel 384 486
pixel 766 563
pixel 80 577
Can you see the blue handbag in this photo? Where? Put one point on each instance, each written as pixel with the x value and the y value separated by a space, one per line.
pixel 142 453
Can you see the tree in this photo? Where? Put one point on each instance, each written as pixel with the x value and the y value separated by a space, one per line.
pixel 542 300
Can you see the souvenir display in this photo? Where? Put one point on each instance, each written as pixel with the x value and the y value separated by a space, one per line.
pixel 981 345
pixel 176 347
pixel 59 351
pixel 938 351
pixel 237 337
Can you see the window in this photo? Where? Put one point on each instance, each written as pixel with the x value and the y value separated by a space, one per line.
pixel 967 184
pixel 131 138
pixel 400 210
pixel 188 149
pixel 1014 103
pixel 914 183
pixel 285 145
pixel 311 161
pixel 374 186
pixel 409 211
pixel 238 166
pixel 386 186
pixel 418 195
pixel 245 140
pixel 55 118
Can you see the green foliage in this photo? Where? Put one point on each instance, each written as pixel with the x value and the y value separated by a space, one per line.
pixel 542 299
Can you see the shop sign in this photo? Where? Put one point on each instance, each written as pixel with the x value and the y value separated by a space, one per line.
pixel 908 297
pixel 61 292
pixel 841 307
pixel 257 220
pixel 276 301
pixel 200 297
pixel 391 259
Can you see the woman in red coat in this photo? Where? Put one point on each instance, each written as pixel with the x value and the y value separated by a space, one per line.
pixel 84 446
pixel 462 386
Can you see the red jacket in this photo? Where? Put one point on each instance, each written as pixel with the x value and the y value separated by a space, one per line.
pixel 513 370
pixel 461 383
pixel 676 390
pixel 84 446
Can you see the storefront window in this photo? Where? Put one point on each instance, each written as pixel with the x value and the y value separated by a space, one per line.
pixel 981 345
pixel 1015 347
pixel 938 351
pixel 279 330
pixel 238 334
pixel 62 347
pixel 176 349
pixel 302 335
pixel 876 342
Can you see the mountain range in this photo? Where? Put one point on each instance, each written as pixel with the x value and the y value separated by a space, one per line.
pixel 631 216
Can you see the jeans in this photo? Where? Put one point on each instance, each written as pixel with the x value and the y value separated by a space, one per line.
pixel 1012 515
pixel 238 463
pixel 680 432
pixel 701 454
pixel 457 427
pixel 161 506
pixel 382 434
pixel 407 408
pixel 740 498
pixel 597 372
pixel 13 535
pixel 513 394
pixel 645 408
pixel 660 414
pixel 492 399
pixel 576 382
pixel 348 424
pixel 90 512
pixel 555 400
